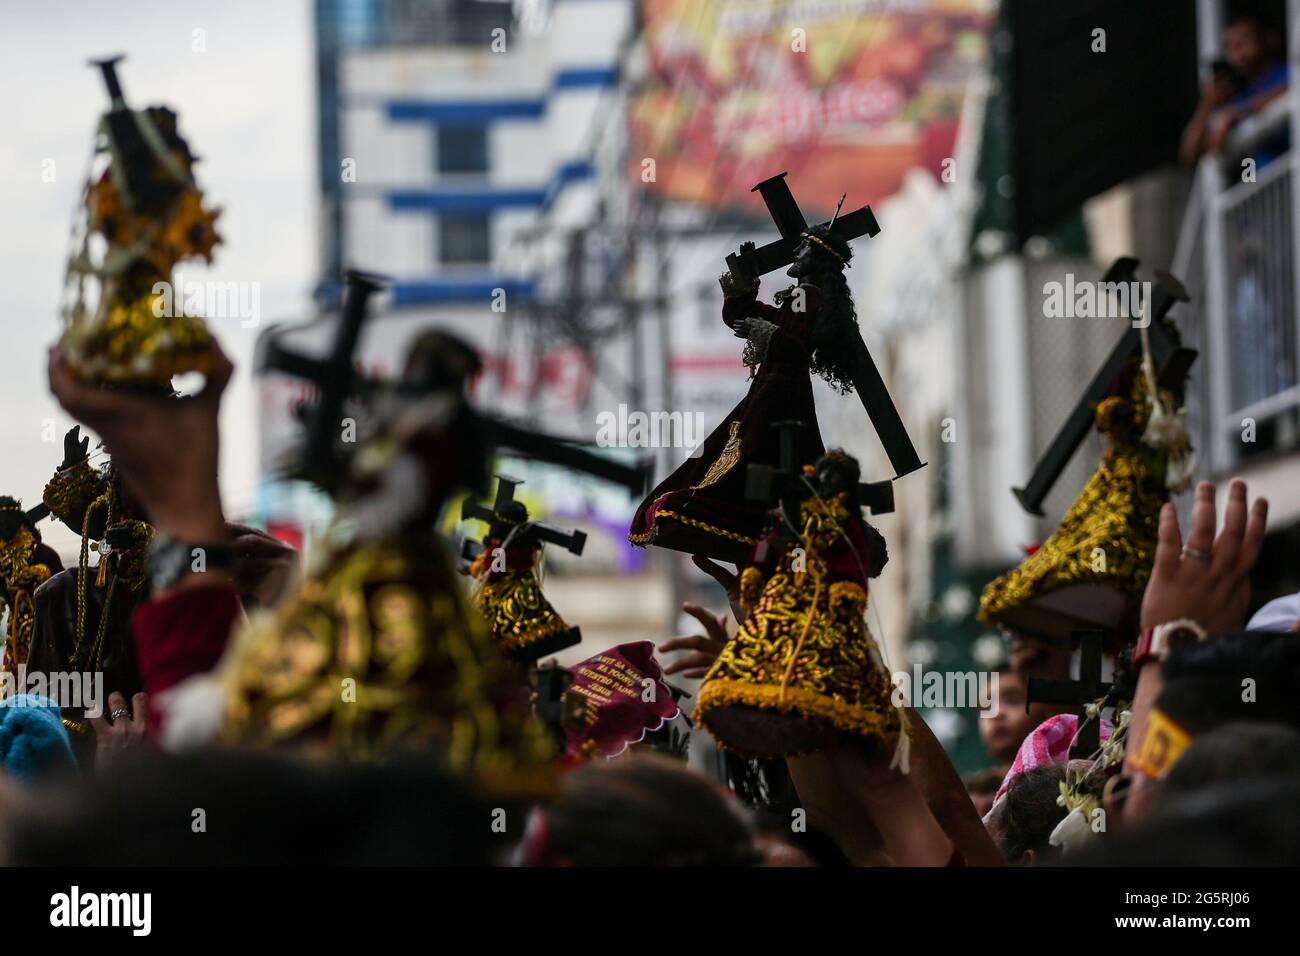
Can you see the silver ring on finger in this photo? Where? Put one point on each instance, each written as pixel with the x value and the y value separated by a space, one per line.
pixel 1196 553
pixel 118 714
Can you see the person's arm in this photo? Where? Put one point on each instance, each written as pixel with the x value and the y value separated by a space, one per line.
pixel 831 808
pixel 892 800
pixel 1206 581
pixel 947 797
pixel 166 450
pixel 1193 144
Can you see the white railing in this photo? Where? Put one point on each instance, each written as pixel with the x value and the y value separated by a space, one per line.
pixel 1236 253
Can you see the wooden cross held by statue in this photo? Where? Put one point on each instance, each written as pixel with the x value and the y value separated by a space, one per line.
pixel 787 485
pixel 324 457
pixel 747 266
pixel 1079 693
pixel 507 514
pixel 1171 360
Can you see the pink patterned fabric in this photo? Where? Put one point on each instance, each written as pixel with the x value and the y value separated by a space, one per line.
pixel 1047 743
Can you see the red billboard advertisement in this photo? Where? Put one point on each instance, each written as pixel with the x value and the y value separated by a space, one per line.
pixel 847 95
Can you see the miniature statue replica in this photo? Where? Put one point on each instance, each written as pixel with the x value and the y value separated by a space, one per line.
pixel 803 664
pixel 25 564
pixel 507 590
pixel 142 215
pixel 812 328
pixel 1092 571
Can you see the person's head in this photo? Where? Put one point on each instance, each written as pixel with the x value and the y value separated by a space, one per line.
pixel 259 809
pixel 1004 732
pixel 1242 676
pixel 983 786
pixel 642 810
pixel 34 745
pixel 1024 819
pixel 1039 656
pixel 1249 45
pixel 1244 823
pixel 1230 754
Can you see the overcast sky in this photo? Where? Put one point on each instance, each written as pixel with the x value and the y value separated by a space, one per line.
pixel 247 107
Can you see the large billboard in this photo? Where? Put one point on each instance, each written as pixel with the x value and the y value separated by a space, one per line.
pixel 847 95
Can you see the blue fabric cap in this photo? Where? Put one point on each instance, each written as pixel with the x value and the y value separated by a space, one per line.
pixel 33 740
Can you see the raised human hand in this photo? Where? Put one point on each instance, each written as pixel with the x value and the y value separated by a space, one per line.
pixel 1208 578
pixel 164 449
pixel 704 648
pixel 122 729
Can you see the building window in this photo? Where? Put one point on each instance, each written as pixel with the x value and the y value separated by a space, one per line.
pixel 464 239
pixel 462 149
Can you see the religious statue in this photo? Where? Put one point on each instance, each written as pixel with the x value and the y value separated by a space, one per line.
pixel 83 614
pixel 25 563
pixel 803 664
pixel 381 650
pixel 505 572
pixel 142 215
pixel 811 329
pixel 1092 571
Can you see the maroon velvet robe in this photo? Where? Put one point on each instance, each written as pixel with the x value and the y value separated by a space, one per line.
pixel 701 507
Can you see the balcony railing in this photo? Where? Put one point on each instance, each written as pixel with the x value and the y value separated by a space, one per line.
pixel 1237 255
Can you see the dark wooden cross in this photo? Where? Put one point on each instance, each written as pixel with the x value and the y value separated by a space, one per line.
pixel 335 377
pixel 870 387
pixel 323 459
pixel 785 485
pixel 1171 359
pixel 145 189
pixel 1087 689
pixel 507 514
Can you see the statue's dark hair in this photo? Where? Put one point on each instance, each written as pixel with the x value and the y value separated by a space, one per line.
pixel 12 517
pixel 837 322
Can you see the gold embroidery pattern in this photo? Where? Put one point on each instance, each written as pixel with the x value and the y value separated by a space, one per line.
pixel 71 490
pixel 15 565
pixel 805 650
pixel 380 653
pixel 726 460
pixel 648 536
pixel 517 612
pixel 1108 537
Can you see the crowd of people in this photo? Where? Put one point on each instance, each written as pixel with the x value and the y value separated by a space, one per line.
pixel 187 692
pixel 1222 686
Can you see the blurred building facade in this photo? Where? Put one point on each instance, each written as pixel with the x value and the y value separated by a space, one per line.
pixel 573 170
pixel 988 362
pixel 1238 247
pixel 457 142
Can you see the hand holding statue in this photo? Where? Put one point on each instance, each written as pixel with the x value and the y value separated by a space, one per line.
pixel 164 449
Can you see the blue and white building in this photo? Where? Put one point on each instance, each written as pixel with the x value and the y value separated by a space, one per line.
pixel 456 137
pixel 459 142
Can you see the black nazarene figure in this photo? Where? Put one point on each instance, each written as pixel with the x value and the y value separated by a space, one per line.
pixel 83 614
pixel 25 563
pixel 701 508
